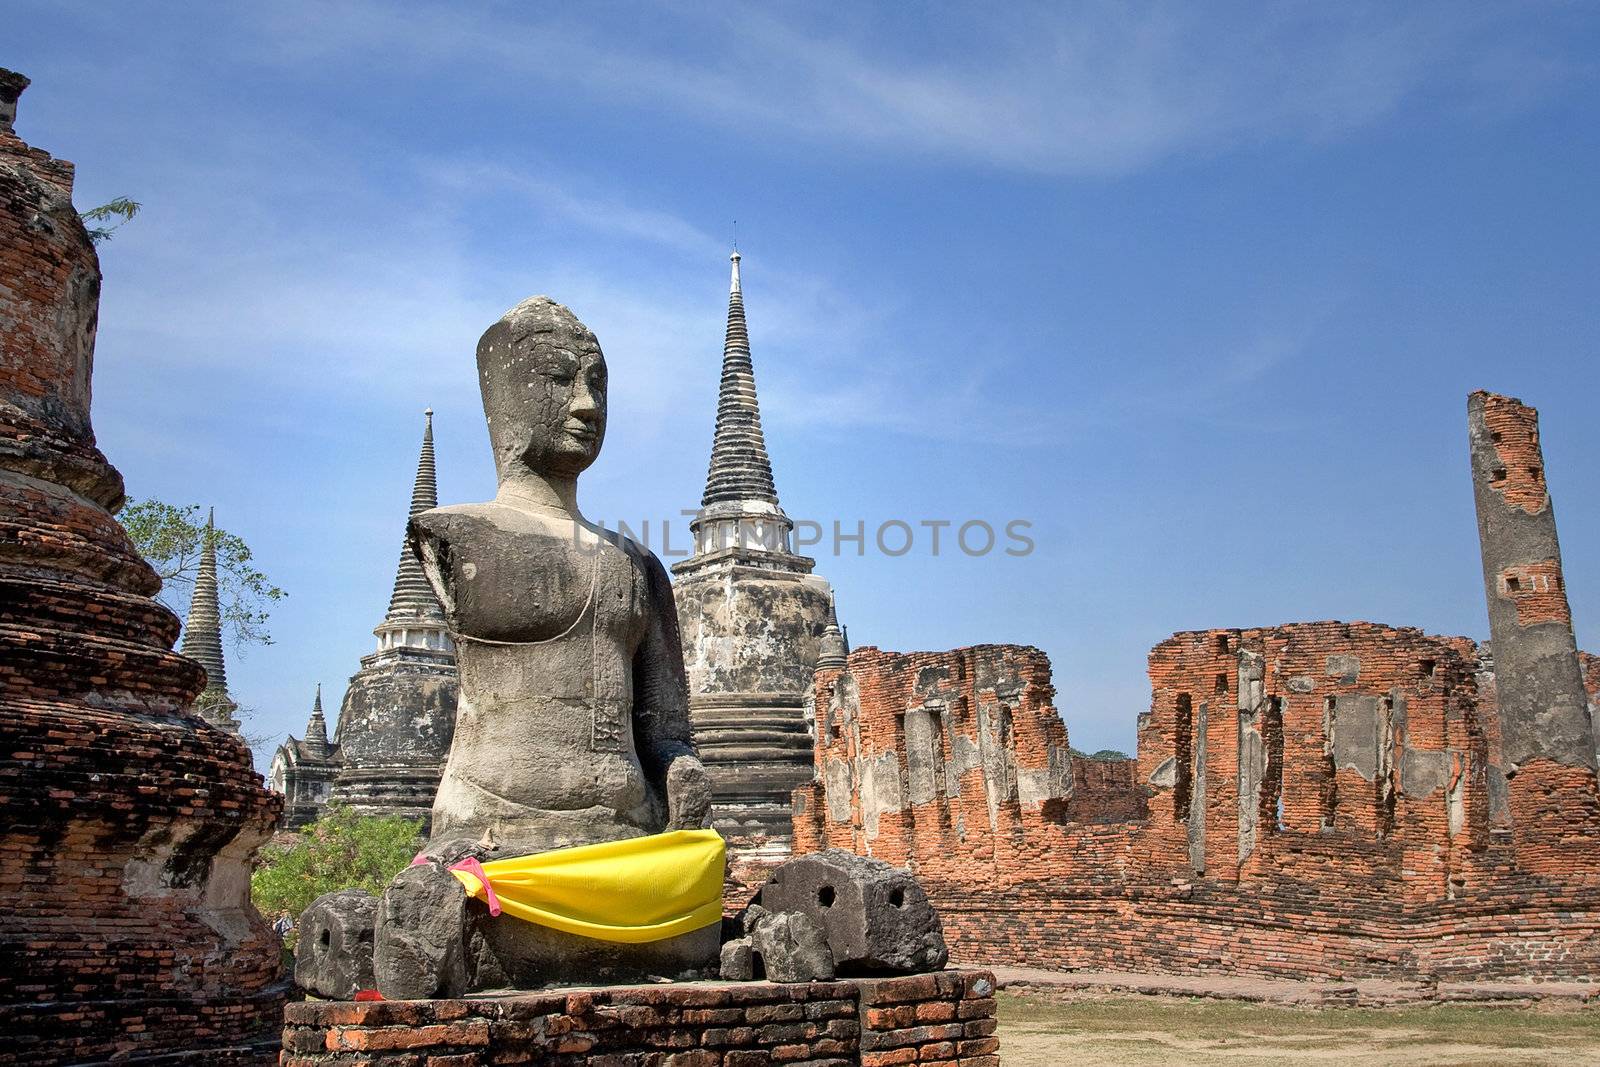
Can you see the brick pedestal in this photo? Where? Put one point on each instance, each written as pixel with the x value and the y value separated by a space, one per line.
pixel 945 1018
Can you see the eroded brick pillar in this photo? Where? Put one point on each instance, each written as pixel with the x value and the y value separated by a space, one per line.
pixel 126 821
pixel 1547 740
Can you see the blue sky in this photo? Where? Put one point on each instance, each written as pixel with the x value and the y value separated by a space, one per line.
pixel 1198 290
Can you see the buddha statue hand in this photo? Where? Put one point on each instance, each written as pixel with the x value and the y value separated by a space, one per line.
pixel 688 793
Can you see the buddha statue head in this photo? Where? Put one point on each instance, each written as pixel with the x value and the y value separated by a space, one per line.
pixel 543 379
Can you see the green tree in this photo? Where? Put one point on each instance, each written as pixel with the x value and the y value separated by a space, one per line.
pixel 1104 754
pixel 341 850
pixel 120 208
pixel 170 539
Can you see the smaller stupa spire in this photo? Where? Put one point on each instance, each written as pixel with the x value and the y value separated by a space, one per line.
pixel 739 509
pixel 415 619
pixel 202 634
pixel 317 726
pixel 740 470
pixel 831 647
pixel 413 598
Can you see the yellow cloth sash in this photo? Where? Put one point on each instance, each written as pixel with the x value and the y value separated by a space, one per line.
pixel 633 891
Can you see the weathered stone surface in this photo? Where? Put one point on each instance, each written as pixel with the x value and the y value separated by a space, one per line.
pixel 333 957
pixel 399 710
pixel 955 722
pixel 737 961
pixel 395 727
pixel 529 955
pixel 421 939
pixel 876 917
pixel 127 822
pixel 573 724
pixel 791 946
pixel 202 637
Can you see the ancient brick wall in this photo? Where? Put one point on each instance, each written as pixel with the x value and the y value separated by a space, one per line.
pixel 1312 799
pixel 943 1020
pixel 126 821
pixel 1105 791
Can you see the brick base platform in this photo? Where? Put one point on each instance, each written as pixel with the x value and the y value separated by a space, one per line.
pixel 938 1020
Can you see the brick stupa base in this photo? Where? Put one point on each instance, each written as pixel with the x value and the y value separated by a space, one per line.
pixel 946 1018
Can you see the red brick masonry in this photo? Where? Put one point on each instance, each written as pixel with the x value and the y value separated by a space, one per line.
pixel 1313 800
pixel 940 1020
pixel 126 821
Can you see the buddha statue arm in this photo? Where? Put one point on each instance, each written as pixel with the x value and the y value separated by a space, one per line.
pixel 433 552
pixel 661 709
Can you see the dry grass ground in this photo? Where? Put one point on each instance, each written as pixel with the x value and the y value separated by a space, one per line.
pixel 1128 1031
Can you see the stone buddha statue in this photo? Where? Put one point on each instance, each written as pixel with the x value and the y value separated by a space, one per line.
pixel 573 721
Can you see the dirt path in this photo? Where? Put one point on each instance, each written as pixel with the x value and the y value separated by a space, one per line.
pixel 1128 1031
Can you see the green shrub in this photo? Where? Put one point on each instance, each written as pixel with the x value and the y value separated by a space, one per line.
pixel 341 850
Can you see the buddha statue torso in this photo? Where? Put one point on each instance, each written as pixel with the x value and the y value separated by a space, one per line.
pixel 549 616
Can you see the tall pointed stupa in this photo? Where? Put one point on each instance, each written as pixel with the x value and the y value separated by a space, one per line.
pixel 399 712
pixel 752 616
pixel 415 617
pixel 741 473
pixel 202 636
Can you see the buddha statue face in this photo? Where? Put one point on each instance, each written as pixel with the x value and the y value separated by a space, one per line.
pixel 543 379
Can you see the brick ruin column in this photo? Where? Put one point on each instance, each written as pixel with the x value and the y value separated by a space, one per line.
pixel 808 801
pixel 126 821
pixel 1547 740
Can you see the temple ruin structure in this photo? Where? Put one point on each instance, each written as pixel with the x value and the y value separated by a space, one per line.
pixel 1317 799
pixel 303 770
pixel 127 821
pixel 752 615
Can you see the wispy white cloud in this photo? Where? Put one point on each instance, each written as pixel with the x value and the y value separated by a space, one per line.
pixel 613 216
pixel 328 274
pixel 1102 88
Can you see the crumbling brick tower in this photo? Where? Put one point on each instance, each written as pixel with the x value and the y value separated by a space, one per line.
pixel 1546 738
pixel 126 821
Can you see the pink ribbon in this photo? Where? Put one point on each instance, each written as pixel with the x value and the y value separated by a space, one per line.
pixel 473 867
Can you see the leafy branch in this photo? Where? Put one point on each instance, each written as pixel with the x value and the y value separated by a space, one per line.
pixel 120 208
pixel 171 539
